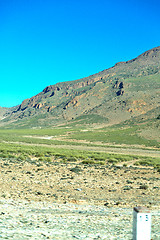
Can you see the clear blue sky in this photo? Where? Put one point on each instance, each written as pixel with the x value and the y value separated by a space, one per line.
pixel 43 42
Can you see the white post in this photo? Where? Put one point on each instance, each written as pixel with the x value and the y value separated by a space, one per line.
pixel 141 223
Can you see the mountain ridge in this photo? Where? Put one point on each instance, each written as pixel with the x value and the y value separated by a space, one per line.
pixel 126 90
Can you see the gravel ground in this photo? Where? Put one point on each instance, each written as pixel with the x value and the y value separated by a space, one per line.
pixel 20 219
pixel 71 200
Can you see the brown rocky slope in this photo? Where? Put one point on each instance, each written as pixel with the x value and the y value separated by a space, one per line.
pixel 126 90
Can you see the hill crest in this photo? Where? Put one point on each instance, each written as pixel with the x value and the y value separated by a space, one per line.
pixel 126 90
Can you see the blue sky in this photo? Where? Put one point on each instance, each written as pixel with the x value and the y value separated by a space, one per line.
pixel 43 42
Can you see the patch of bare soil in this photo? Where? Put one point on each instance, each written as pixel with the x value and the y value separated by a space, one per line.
pixel 75 182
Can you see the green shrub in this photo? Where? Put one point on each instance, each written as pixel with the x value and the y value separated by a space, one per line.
pixel 71 159
pixel 88 161
pixel 127 188
pixel 22 157
pixel 99 158
pixel 112 160
pixel 45 159
pixel 39 155
pixel 145 187
pixel 100 163
pixel 76 169
pixel 4 155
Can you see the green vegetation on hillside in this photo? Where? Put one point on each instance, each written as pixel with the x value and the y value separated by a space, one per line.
pixel 112 135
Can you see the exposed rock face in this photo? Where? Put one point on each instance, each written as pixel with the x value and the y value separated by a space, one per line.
pixel 127 89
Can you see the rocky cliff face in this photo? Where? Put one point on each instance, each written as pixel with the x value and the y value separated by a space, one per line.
pixel 126 90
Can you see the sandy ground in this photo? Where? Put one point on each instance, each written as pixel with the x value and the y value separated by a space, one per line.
pixel 75 182
pixel 30 220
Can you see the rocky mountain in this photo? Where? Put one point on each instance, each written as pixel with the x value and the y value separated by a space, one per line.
pixel 4 111
pixel 122 92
